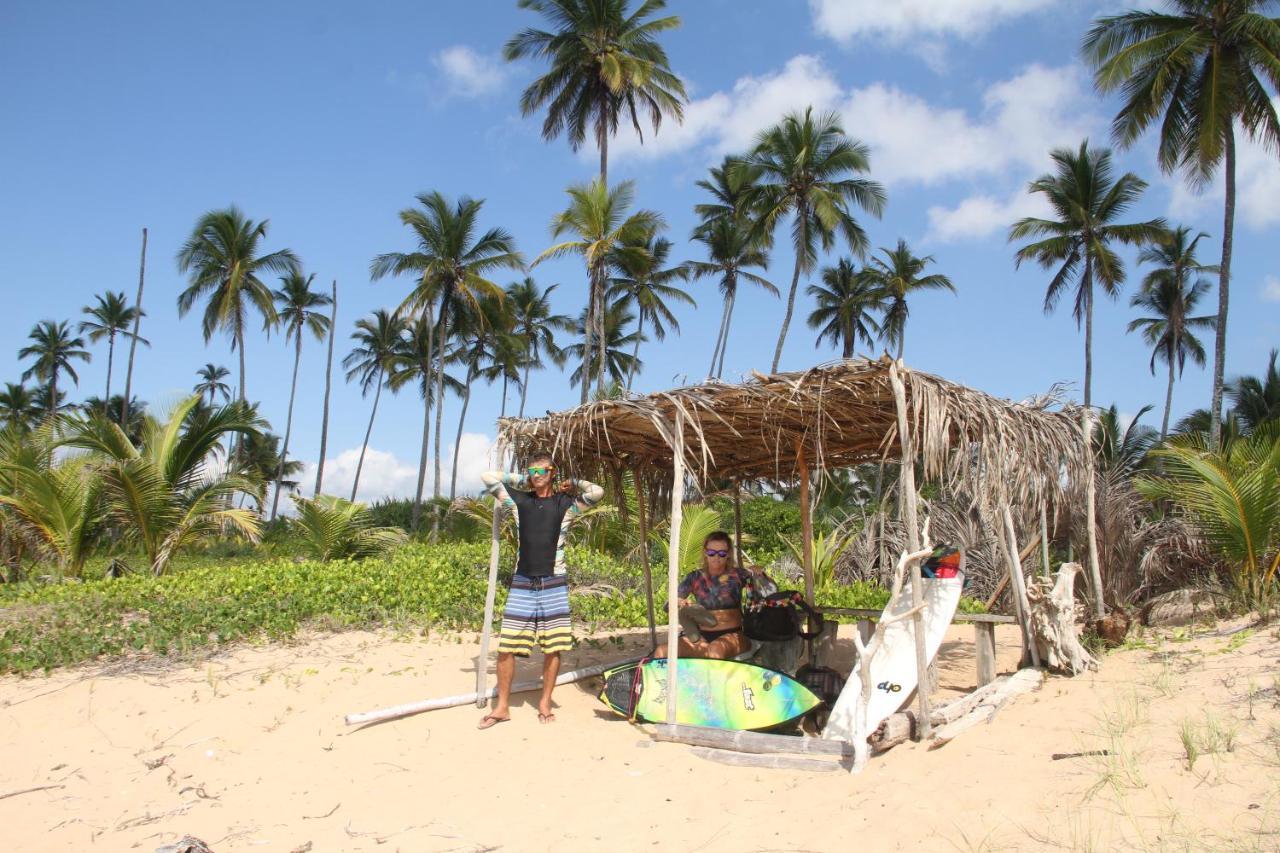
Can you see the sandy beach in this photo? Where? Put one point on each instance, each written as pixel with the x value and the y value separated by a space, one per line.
pixel 248 751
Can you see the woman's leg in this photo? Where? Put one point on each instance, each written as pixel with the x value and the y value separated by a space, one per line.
pixel 687 649
pixel 727 646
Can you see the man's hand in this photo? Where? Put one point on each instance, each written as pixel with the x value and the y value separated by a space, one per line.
pixel 567 487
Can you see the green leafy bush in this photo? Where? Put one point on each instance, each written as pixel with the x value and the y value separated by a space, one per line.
pixel 767 524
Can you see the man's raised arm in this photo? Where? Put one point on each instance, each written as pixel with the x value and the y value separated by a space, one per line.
pixel 496 482
pixel 589 494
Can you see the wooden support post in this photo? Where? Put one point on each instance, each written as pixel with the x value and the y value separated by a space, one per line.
pixel 1019 586
pixel 984 641
pixel 490 595
pixel 1044 539
pixel 806 523
pixel 737 523
pixel 642 517
pixel 673 567
pixel 907 492
pixel 866 628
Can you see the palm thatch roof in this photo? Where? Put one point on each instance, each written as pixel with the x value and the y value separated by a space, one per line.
pixel 838 415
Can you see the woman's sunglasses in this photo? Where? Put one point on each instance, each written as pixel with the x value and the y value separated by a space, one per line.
pixel 716 552
pixel 540 471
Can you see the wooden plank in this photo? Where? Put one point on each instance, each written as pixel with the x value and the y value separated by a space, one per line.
pixel 769 762
pixel 756 742
pixel 984 641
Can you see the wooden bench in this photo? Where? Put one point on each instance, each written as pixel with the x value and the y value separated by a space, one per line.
pixel 984 633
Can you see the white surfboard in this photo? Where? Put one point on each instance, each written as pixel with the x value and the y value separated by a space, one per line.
pixel 893 660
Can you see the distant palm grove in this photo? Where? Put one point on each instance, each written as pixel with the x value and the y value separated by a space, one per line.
pixel 467 314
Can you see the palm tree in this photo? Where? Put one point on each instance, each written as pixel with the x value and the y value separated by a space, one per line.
pixel 618 362
pixel 47 401
pixel 845 300
pixel 604 63
pixel 642 281
pixel 1199 70
pixel 330 528
pixel 803 166
pixel 18 408
pixel 1122 451
pixel 114 410
pixel 450 264
pixel 328 385
pixel 53 349
pixel 52 505
pixel 897 276
pixel 211 385
pixel 731 185
pixel 1087 201
pixel 263 462
pixel 597 218
pixel 296 301
pixel 161 492
pixel 1256 401
pixel 1170 292
pixel 224 261
pixel 110 317
pixel 535 325
pixel 378 341
pixel 480 331
pixel 415 362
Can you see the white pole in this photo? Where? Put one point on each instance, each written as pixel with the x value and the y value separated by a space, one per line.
pixel 482 659
pixel 673 568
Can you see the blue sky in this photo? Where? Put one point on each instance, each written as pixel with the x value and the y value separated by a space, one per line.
pixel 327 118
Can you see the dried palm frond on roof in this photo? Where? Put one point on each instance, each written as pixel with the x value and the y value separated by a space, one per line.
pixel 839 415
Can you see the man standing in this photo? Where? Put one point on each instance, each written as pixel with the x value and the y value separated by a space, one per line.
pixel 537 610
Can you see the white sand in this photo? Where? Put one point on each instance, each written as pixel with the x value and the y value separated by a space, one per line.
pixel 248 751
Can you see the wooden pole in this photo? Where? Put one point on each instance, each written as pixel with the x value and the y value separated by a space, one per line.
pixel 642 517
pixel 806 523
pixel 737 521
pixel 907 492
pixel 490 595
pixel 1044 539
pixel 1019 583
pixel 133 340
pixel 673 568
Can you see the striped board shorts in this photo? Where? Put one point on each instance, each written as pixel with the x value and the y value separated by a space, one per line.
pixel 537 611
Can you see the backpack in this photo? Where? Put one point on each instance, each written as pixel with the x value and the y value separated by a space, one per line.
pixel 778 617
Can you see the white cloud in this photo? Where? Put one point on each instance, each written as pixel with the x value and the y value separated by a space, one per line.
pixel 1271 289
pixel 911 140
pixel 1257 188
pixel 470 74
pixel 845 20
pixel 982 215
pixel 386 475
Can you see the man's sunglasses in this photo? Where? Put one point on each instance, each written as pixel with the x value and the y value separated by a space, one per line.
pixel 716 552
pixel 540 471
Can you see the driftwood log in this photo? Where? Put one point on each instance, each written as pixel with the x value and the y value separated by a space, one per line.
pixel 1053 622
pixel 754 742
pixel 959 714
pixel 769 762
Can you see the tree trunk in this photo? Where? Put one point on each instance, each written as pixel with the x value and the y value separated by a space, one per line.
pixel 1087 284
pixel 111 357
pixel 728 323
pixel 1224 281
pixel 427 378
pixel 1168 404
pixel 1086 427
pixel 588 333
pixel 444 336
pixel 795 282
pixel 133 342
pixel 635 351
pixel 239 339
pixel 360 465
pixel 457 442
pixel 524 387
pixel 328 382
pixel 288 423
pixel 600 339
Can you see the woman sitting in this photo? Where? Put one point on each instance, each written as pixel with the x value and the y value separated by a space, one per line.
pixel 714 593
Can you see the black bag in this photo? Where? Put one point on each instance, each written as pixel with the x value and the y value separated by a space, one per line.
pixel 823 681
pixel 779 617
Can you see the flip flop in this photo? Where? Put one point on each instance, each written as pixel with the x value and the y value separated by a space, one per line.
pixel 547 718
pixel 488 721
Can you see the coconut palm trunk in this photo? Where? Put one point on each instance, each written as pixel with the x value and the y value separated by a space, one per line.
pixel 715 352
pixel 635 350
pixel 328 383
pixel 1168 402
pixel 728 324
pixel 444 334
pixel 524 388
pixel 600 340
pixel 803 215
pixel 288 424
pixel 426 425
pixel 588 335
pixel 133 343
pixel 457 442
pixel 111 357
pixel 1224 280
pixel 360 465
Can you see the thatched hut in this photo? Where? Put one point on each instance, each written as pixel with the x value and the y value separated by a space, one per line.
pixel 787 427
